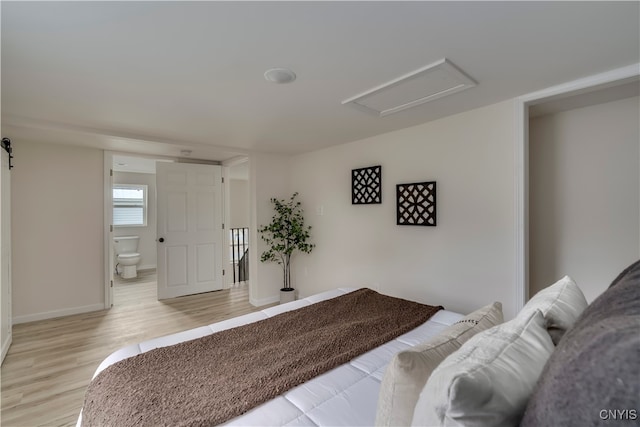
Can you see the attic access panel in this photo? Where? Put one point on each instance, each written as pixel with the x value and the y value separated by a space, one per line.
pixel 425 84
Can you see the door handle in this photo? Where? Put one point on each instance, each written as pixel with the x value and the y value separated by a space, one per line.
pixel 161 239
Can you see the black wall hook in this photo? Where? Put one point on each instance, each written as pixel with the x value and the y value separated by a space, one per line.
pixel 6 144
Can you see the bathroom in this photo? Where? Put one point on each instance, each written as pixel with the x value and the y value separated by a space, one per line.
pixel 134 195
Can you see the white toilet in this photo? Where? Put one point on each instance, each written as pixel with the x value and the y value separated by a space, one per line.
pixel 126 256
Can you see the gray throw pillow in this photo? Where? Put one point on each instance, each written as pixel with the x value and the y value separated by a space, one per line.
pixel 593 377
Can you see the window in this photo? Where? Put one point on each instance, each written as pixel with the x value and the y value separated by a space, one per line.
pixel 129 205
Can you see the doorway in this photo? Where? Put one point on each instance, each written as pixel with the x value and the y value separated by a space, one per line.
pixel 238 212
pixel 610 79
pixel 134 218
pixel 583 188
pixel 136 167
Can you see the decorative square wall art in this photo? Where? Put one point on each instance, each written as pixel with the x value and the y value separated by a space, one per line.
pixel 416 203
pixel 366 186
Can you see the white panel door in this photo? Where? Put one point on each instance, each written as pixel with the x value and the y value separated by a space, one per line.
pixel 190 237
pixel 5 254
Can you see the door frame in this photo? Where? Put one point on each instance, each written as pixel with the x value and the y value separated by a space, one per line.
pixel 521 152
pixel 108 230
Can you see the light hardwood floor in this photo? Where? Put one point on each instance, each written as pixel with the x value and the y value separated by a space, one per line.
pixel 50 362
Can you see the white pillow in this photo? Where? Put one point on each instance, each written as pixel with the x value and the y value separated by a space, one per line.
pixel 488 381
pixel 561 304
pixel 409 370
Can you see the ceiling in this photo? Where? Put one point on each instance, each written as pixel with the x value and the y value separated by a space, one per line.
pixel 157 77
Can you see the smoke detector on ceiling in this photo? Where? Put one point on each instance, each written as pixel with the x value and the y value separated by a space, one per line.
pixel 425 84
pixel 279 75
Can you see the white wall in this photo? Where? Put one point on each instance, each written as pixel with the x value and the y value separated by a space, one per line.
pixel 147 245
pixel 269 177
pixel 584 195
pixel 239 201
pixel 57 204
pixel 465 262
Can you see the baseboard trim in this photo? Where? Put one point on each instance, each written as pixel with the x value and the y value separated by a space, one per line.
pixel 147 267
pixel 57 313
pixel 5 347
pixel 264 301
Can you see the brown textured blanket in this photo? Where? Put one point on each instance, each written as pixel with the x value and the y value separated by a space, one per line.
pixel 220 376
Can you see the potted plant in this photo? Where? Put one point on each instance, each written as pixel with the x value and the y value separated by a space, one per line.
pixel 285 235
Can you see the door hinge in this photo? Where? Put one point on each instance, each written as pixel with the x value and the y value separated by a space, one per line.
pixel 223 225
pixel 112 283
pixel 110 172
pixel 223 179
pixel 111 228
pixel 223 272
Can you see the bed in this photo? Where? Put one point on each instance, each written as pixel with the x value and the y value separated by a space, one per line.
pixel 471 370
pixel 344 396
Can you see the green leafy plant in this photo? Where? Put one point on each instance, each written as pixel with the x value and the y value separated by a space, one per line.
pixel 285 235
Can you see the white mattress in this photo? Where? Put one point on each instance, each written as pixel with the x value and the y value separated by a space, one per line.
pixel 344 396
